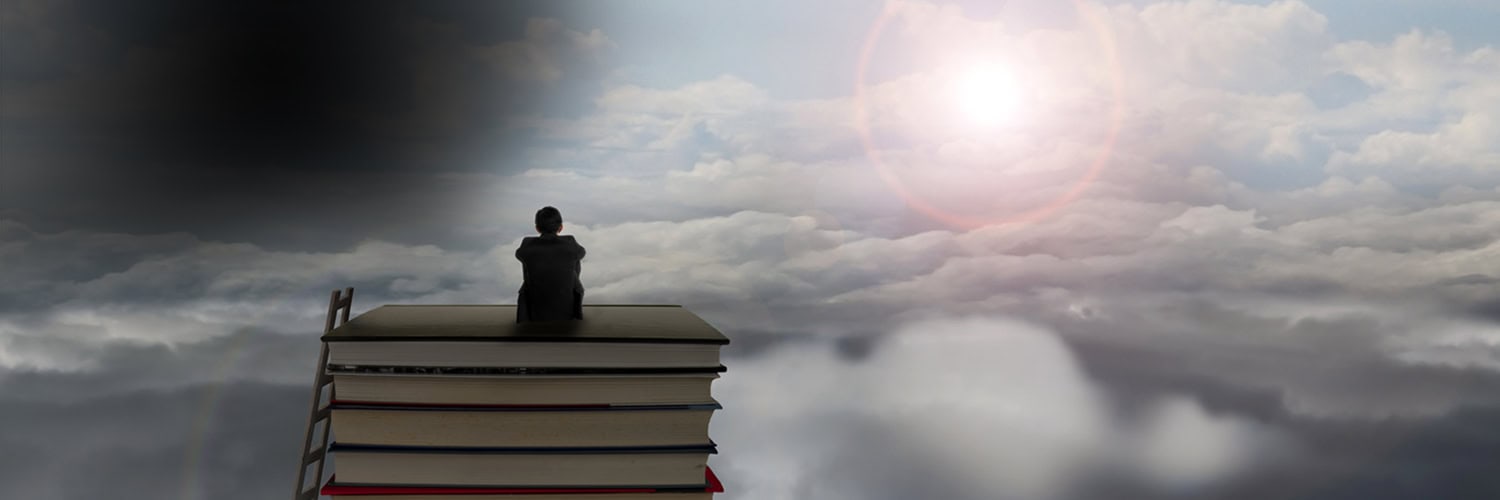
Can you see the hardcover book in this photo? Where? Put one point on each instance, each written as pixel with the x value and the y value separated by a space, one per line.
pixel 453 389
pixel 343 492
pixel 656 468
pixel 523 426
pixel 609 336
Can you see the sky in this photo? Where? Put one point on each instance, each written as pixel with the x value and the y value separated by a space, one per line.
pixel 1032 250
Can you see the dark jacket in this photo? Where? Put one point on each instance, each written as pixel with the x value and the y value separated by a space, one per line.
pixel 550 290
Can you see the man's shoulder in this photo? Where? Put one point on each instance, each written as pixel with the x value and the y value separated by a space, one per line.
pixel 548 241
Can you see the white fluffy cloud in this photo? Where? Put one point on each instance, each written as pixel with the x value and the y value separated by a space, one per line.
pixel 1001 405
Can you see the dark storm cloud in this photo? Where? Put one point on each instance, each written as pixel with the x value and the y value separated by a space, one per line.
pixel 1255 381
pixel 117 270
pixel 231 441
pixel 1260 363
pixel 259 121
pixel 1372 454
pixel 1489 309
pixel 1446 457
pixel 1476 295
pixel 249 354
pixel 219 418
pixel 1346 459
pixel 55 264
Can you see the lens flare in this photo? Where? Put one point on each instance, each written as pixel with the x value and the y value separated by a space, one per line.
pixel 988 100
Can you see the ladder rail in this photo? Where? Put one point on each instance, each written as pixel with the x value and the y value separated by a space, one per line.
pixel 339 305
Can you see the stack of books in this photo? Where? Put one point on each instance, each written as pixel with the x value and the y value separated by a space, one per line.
pixel 459 401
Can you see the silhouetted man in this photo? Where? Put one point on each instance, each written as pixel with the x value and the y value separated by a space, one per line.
pixel 550 264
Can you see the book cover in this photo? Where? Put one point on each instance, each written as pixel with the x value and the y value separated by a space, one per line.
pixel 517 425
pixel 657 467
pixel 710 448
pixel 339 404
pixel 526 390
pixel 712 485
pixel 349 369
pixel 661 324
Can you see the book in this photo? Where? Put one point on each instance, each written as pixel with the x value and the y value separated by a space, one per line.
pixel 499 353
pixel 656 468
pixel 343 492
pixel 609 336
pixel 523 426
pixel 440 400
pixel 493 370
pixel 444 389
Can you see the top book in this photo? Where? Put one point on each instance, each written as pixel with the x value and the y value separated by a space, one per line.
pixel 657 324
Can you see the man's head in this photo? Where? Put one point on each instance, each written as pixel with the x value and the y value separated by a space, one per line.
pixel 548 220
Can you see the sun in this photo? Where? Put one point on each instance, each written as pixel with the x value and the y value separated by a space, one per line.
pixel 987 94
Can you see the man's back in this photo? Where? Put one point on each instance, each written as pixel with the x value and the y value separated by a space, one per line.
pixel 551 290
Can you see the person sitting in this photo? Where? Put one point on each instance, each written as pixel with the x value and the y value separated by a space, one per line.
pixel 550 267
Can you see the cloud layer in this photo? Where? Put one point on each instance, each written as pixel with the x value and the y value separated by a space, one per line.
pixel 1281 281
pixel 973 407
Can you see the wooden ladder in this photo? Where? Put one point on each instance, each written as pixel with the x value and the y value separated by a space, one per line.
pixel 338 305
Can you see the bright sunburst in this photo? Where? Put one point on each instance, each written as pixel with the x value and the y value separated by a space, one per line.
pixel 987 94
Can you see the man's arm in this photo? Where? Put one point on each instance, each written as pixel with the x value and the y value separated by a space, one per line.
pixel 519 253
pixel 578 264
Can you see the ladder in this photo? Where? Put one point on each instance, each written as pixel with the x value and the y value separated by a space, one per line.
pixel 339 305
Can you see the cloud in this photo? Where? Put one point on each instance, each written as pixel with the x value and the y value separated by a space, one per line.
pixel 1291 240
pixel 1223 45
pixel 951 394
pixel 227 440
pixel 769 270
pixel 1331 358
pixel 999 407
pixel 1417 60
pixel 1455 152
pixel 724 95
pixel 536 57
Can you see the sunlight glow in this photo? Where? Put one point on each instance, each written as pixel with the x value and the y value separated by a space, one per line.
pixel 988 94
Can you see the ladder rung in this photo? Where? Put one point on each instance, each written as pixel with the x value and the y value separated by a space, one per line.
pixel 322 414
pixel 316 455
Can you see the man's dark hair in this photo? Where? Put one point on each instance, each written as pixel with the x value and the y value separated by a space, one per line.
pixel 548 220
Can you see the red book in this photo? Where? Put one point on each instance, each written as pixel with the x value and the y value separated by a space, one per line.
pixel 330 489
